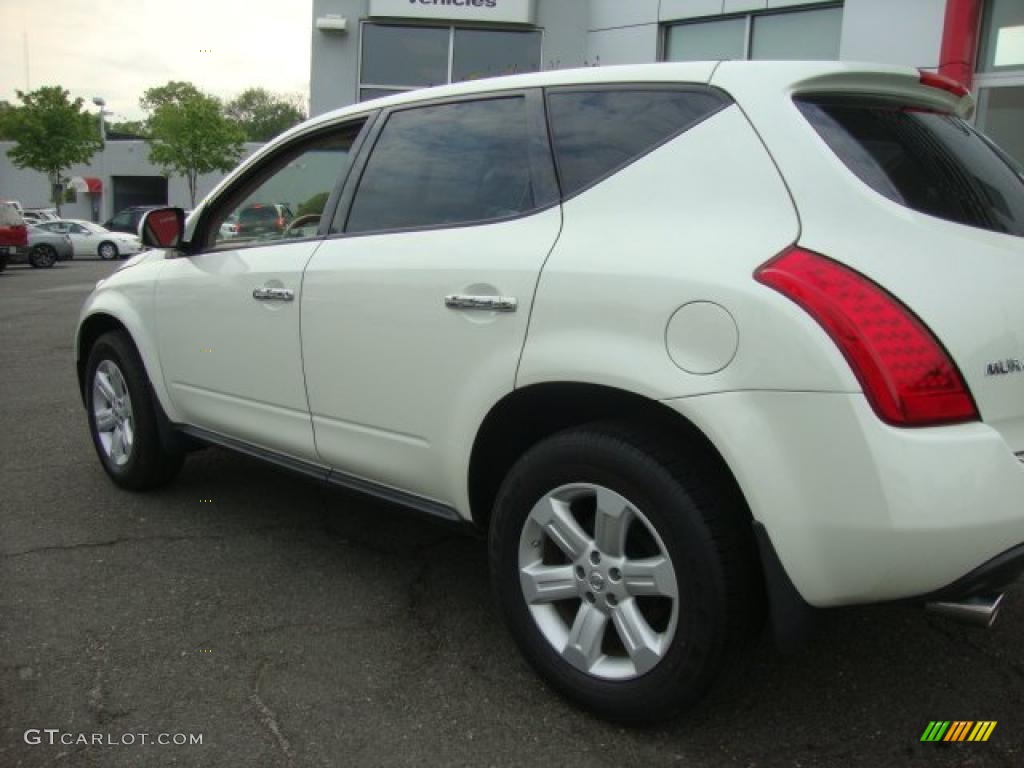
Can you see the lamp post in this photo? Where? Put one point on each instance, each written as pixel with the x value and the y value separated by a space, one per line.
pixel 100 102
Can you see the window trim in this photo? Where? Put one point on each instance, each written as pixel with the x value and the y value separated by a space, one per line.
pixel 259 173
pixel 451 27
pixel 542 172
pixel 748 35
pixel 725 101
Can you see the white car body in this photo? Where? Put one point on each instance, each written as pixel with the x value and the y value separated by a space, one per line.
pixel 87 237
pixel 641 284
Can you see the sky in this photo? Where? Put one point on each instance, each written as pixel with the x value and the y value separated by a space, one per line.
pixel 116 49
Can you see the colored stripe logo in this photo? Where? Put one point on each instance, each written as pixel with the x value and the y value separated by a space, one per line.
pixel 958 730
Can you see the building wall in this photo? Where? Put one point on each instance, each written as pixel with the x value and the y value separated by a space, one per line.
pixel 334 68
pixel 118 158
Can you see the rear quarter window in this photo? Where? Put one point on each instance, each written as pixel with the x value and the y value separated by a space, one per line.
pixel 931 162
pixel 596 132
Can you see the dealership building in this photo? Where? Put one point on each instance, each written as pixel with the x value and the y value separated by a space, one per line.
pixel 362 49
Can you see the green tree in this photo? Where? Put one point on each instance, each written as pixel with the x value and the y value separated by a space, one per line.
pixel 5 111
pixel 51 133
pixel 262 114
pixel 174 92
pixel 188 133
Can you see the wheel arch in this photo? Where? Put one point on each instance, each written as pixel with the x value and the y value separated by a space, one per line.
pixel 527 415
pixel 104 318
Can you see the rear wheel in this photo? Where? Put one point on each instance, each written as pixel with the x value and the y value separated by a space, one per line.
pixel 107 250
pixel 122 416
pixel 42 256
pixel 623 570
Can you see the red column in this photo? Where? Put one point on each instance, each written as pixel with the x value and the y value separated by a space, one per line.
pixel 960 40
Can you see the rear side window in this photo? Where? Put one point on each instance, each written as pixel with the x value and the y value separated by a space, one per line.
pixel 445 165
pixel 597 132
pixel 934 163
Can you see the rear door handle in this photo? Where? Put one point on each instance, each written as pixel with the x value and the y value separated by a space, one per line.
pixel 273 294
pixel 487 303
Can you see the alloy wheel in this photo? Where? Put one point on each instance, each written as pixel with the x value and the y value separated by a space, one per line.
pixel 112 412
pixel 598 581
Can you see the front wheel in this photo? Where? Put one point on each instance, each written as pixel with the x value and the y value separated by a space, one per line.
pixel 122 416
pixel 624 573
pixel 42 256
pixel 107 250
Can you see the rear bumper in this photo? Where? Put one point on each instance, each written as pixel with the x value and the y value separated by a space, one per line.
pixel 861 512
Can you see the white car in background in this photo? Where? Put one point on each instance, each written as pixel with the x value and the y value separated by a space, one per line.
pixel 90 239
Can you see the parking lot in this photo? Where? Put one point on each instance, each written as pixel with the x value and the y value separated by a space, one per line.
pixel 292 625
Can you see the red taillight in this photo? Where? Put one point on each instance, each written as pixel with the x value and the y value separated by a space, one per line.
pixel 943 83
pixel 906 374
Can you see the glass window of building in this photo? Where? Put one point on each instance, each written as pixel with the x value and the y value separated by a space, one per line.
pixel 802 33
pixel 398 58
pixel 702 41
pixel 999 80
pixel 812 35
pixel 1002 37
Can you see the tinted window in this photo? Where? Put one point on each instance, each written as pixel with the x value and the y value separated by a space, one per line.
pixel 490 53
pixel 812 35
pixel 447 164
pixel 597 132
pixel 405 55
pixel 933 163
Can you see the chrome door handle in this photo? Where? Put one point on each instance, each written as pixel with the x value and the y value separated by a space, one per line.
pixel 273 294
pixel 489 303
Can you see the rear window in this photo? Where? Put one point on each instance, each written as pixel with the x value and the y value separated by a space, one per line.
pixel 597 132
pixel 258 213
pixel 933 163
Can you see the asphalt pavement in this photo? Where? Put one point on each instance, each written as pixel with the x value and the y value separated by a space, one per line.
pixel 291 625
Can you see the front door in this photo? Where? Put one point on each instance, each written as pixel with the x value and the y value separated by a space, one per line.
pixel 228 314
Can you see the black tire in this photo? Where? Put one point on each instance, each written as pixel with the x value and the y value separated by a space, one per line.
pixel 42 256
pixel 149 465
pixel 3 261
pixel 107 250
pixel 705 530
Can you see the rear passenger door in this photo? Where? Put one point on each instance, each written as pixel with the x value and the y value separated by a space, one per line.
pixel 416 307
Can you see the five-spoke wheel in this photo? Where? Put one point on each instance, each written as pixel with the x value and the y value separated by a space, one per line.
pixel 607 602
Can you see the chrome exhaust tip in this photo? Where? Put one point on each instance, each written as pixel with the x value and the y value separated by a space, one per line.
pixel 979 611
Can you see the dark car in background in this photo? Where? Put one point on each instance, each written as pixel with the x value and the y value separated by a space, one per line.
pixel 127 219
pixel 263 219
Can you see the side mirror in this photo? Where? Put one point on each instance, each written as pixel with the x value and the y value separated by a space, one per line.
pixel 162 227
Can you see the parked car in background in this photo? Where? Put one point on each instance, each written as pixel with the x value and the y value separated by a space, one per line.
pixel 127 220
pixel 45 248
pixel 261 219
pixel 89 239
pixel 39 215
pixel 13 232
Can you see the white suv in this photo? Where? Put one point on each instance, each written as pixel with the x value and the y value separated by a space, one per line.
pixel 694 343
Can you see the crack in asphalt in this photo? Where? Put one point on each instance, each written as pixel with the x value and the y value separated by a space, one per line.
pixel 269 719
pixel 158 538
